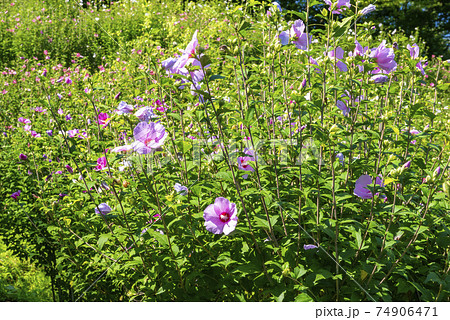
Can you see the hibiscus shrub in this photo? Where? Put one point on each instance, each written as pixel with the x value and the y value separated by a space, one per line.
pixel 268 160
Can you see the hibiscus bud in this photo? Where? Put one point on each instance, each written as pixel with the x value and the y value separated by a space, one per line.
pixel 69 168
pixel 437 172
pixel 394 173
pixel 407 164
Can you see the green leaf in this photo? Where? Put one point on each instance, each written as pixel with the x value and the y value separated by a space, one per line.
pixel 216 77
pixel 303 297
pixel 102 240
pixel 205 60
pixel 342 28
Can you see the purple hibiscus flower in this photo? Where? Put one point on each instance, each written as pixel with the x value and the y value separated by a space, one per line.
pixel 145 114
pixel 361 184
pixel 148 136
pixel 15 195
pixel 340 5
pixel 384 57
pixel 103 119
pixel 338 55
pixel 379 78
pixel 299 37
pixel 24 120
pixel 284 38
pixel 221 216
pixel 103 209
pixel 124 107
pixel 189 53
pixel 243 163
pixel 101 164
pixel 414 53
pixel 343 107
pixel 180 189
pixel 413 50
pixel 73 133
pixel 370 8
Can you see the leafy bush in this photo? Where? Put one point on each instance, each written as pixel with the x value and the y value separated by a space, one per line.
pixel 131 178
pixel 20 280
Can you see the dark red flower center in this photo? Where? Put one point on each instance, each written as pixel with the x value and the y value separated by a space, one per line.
pixel 224 217
pixel 148 141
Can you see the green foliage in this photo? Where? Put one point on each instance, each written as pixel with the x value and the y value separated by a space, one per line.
pixel 20 280
pixel 255 94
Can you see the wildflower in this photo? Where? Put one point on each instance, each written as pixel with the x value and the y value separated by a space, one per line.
pixel 370 8
pixel 362 183
pixel 49 132
pixel 379 78
pixel 123 107
pixel 220 217
pixel 284 38
pixel 22 156
pixel 243 163
pixel 180 189
pixel 343 107
pixel 103 209
pixel 103 119
pixel 101 164
pixel 339 5
pixel 188 53
pixel 145 114
pixel 309 246
pixel 413 50
pixel 420 67
pixel 300 39
pixel 148 136
pixel 15 195
pixel 359 49
pixel 384 57
pixel 24 120
pixel 338 55
pixel 73 133
pixel 277 5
